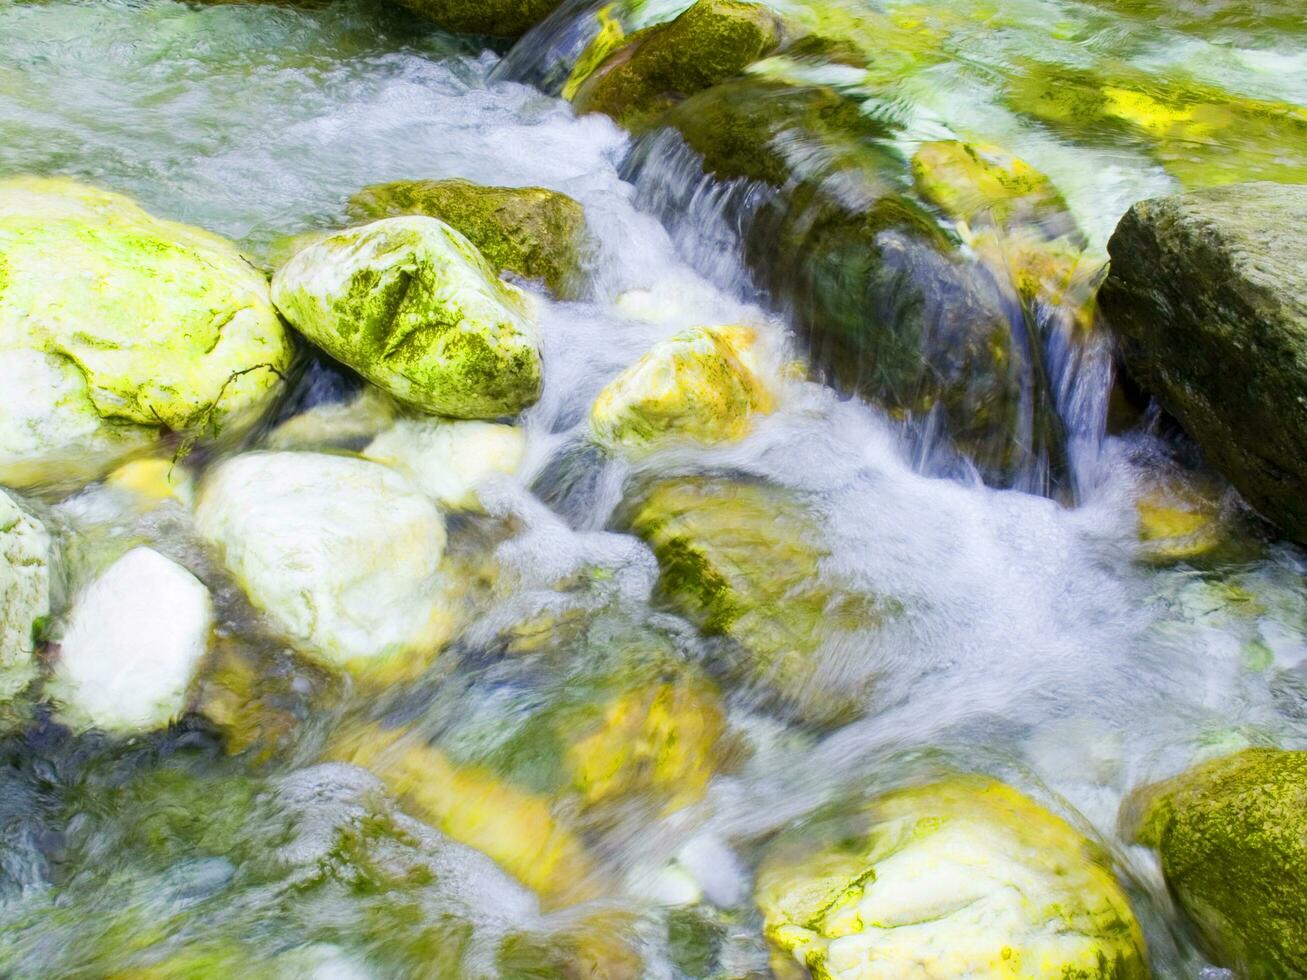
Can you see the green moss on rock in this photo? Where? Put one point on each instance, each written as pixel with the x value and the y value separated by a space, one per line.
pixel 1232 837
pixel 710 42
pixel 496 18
pixel 534 232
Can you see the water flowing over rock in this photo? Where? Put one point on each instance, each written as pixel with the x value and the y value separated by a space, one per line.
pixel 132 644
pixel 534 232
pixel 412 306
pixel 117 326
pixel 343 554
pixel 24 593
pixel 1208 299
pixel 963 877
pixel 1232 836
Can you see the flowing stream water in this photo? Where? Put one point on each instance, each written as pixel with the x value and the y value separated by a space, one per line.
pixel 1034 644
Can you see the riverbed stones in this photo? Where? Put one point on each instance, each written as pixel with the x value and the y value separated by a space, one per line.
pixel 1207 297
pixel 24 593
pixel 133 641
pixel 655 68
pixel 1232 837
pixel 960 877
pixel 116 326
pixel 496 18
pixel 448 460
pixel 410 304
pixel 531 231
pixel 342 554
pixel 704 385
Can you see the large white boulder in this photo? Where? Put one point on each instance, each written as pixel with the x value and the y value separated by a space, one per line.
pixel 342 553
pixel 448 460
pixel 132 645
pixel 24 593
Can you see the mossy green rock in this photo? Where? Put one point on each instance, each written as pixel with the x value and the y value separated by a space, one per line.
pixel 964 877
pixel 710 42
pixel 534 232
pixel 115 326
pixel 497 18
pixel 410 304
pixel 1232 836
pixel 744 560
pixel 1208 299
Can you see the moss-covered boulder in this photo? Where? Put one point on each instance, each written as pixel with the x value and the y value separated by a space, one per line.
pixel 341 553
pixel 117 326
pixel 1232 836
pixel 744 560
pixel 531 231
pixel 24 593
pixel 1207 296
pixel 657 67
pixel 495 18
pixel 704 386
pixel 410 304
pixel 962 877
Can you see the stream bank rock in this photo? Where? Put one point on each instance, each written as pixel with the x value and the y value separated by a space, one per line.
pixel 1208 299
pixel 962 877
pixel 1232 837
pixel 342 553
pixel 116 326
pixel 496 18
pixel 134 640
pixel 410 304
pixel 448 460
pixel 534 232
pixel 24 594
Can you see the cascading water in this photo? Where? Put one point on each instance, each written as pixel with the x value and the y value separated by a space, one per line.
pixel 985 605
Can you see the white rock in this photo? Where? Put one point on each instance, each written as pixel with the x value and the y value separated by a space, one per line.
pixel 448 460
pixel 134 639
pixel 24 593
pixel 342 553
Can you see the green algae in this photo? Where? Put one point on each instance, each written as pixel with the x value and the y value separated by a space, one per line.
pixel 496 18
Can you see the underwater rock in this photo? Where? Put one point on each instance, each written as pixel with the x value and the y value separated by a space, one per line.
pixel 342 553
pixel 448 460
pixel 134 639
pixel 337 425
pixel 1208 300
pixel 534 232
pixel 411 305
pixel 1232 837
pixel 703 385
pixel 962 877
pixel 743 560
pixel 24 594
pixel 496 18
pixel 117 326
pixel 655 68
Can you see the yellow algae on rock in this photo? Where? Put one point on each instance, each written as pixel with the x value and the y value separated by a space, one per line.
pixel 704 385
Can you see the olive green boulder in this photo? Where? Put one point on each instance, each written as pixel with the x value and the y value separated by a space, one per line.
pixel 496 18
pixel 1207 296
pixel 116 326
pixel 964 877
pixel 657 67
pixel 411 305
pixel 531 231
pixel 1232 837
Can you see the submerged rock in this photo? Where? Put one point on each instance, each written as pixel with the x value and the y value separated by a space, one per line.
pixel 1208 299
pixel 134 639
pixel 24 594
pixel 534 232
pixel 116 326
pixel 657 67
pixel 448 460
pixel 962 877
pixel 1232 836
pixel 342 553
pixel 411 305
pixel 497 18
pixel 703 385
pixel 743 560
